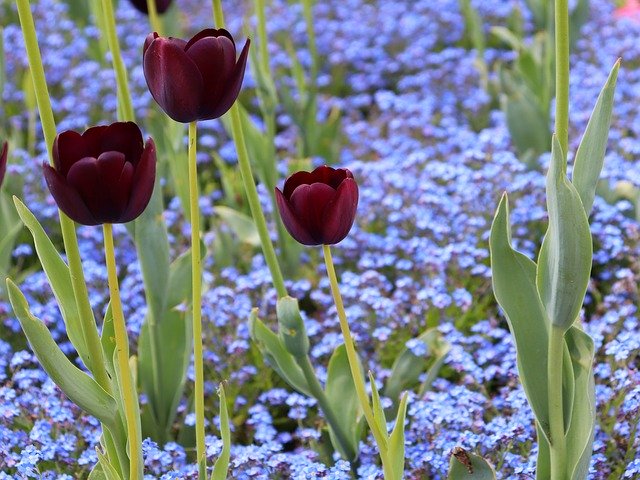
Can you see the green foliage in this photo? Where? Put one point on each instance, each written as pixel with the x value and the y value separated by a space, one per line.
pixel 469 466
pixel 221 467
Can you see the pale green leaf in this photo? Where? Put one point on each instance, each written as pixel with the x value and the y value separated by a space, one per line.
pixel 276 355
pixel 81 389
pixel 221 467
pixel 396 440
pixel 514 285
pixel 241 224
pixel 564 262
pixel 469 466
pixel 590 155
pixel 378 412
pixel 59 278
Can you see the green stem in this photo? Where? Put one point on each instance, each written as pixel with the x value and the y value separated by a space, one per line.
pixel 129 399
pixel 125 106
pixel 562 73
pixel 262 34
pixel 250 184
pixel 87 319
pixel 358 381
pixel 556 415
pixel 311 36
pixel 154 19
pixel 196 279
pixel 318 393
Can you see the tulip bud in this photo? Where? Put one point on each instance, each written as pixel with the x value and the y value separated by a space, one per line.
pixel 319 207
pixel 195 80
pixel 104 175
pixel 291 327
pixel 161 5
pixel 3 161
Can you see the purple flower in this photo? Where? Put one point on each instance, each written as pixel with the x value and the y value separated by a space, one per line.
pixel 161 5
pixel 105 175
pixel 195 80
pixel 319 207
pixel 3 161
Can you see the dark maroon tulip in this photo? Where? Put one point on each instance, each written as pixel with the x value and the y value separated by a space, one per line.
pixel 3 161
pixel 318 208
pixel 161 5
pixel 195 80
pixel 104 175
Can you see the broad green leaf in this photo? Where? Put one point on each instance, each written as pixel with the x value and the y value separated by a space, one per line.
pixel 590 155
pixel 543 464
pixel 291 328
pixel 407 368
pixel 514 285
pixel 241 224
pixel 103 469
pixel 276 355
pixel 174 333
pixel 507 36
pixel 532 134
pixel 376 405
pixel 81 389
pixel 10 227
pixel 59 278
pixel 564 262
pixel 473 26
pixel 343 401
pixel 221 466
pixel 469 466
pixel 152 246
pixel 396 440
pixel 582 427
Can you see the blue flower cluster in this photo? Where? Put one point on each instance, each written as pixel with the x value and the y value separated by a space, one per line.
pixel 430 179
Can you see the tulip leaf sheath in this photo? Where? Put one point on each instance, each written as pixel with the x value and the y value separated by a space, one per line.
pixel 564 262
pixel 514 285
pixel 77 385
pixel 590 155
pixel 469 466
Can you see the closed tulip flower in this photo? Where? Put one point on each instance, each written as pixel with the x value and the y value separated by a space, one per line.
pixel 105 175
pixel 319 207
pixel 161 5
pixel 3 161
pixel 195 80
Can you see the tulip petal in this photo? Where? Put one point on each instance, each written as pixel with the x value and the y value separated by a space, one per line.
pixel 161 5
pixel 309 203
pixel 124 137
pixel 324 174
pixel 209 32
pixel 231 89
pixel 115 175
pixel 173 79
pixel 68 199
pixel 340 213
pixel 142 184
pixel 295 228
pixel 215 58
pixel 3 161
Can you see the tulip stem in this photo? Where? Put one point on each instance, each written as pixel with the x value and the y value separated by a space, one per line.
pixel 354 365
pixel 128 391
pixel 196 281
pixel 154 19
pixel 125 106
pixel 562 73
pixel 557 444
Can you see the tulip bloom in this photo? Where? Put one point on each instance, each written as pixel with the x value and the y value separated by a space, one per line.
pixel 3 161
pixel 104 175
pixel 319 207
pixel 161 5
pixel 195 80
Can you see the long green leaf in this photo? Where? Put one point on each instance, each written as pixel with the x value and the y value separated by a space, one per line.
pixel 221 467
pixel 276 355
pixel 81 389
pixel 376 405
pixel 469 466
pixel 396 440
pixel 564 262
pixel 582 428
pixel 514 285
pixel 543 464
pixel 59 278
pixel 590 155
